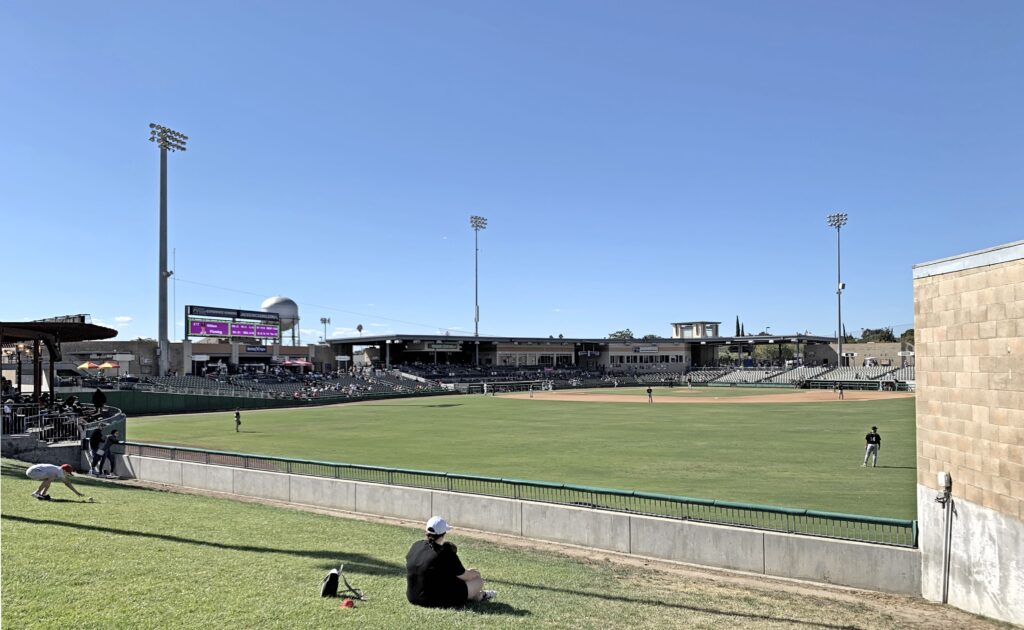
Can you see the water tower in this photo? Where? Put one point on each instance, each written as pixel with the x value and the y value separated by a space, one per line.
pixel 288 310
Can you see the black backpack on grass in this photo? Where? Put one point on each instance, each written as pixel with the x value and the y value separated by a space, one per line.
pixel 329 585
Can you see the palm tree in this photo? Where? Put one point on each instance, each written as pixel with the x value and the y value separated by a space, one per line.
pixel 359 329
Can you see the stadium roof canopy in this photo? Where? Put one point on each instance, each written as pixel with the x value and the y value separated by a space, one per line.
pixel 373 340
pixel 53 332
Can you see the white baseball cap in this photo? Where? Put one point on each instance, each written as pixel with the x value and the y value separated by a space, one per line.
pixel 437 526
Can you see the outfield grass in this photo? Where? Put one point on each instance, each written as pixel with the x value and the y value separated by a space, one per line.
pixel 804 455
pixel 684 392
pixel 140 558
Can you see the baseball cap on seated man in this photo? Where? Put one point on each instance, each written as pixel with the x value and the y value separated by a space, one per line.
pixel 438 526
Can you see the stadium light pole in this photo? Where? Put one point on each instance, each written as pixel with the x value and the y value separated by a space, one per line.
pixel 477 223
pixel 325 321
pixel 838 220
pixel 167 140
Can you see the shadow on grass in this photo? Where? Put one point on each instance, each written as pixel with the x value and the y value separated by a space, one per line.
pixel 356 562
pixel 437 406
pixel 496 608
pixel 661 604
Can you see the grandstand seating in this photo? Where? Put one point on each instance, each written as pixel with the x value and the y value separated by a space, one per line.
pixel 903 374
pixel 657 378
pixel 747 375
pixel 855 374
pixel 706 375
pixel 290 386
pixel 797 375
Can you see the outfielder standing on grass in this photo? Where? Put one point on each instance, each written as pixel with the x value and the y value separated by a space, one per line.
pixel 873 444
pixel 47 474
pixel 238 419
pixel 650 395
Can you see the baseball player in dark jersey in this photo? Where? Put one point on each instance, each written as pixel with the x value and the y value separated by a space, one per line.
pixel 873 443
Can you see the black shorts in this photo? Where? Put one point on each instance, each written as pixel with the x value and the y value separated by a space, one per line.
pixel 455 595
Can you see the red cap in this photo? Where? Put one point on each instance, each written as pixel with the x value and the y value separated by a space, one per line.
pixel 348 603
pixel 67 468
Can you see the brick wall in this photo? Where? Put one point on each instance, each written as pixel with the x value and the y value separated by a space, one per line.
pixel 970 383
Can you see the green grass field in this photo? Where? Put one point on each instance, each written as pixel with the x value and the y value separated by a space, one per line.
pixel 687 392
pixel 141 558
pixel 804 455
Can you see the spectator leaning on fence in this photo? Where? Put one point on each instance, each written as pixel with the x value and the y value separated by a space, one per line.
pixel 107 453
pixel 95 443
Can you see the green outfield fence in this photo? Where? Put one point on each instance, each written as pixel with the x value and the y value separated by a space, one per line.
pixel 872 529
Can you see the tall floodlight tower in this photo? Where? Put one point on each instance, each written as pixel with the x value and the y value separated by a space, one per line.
pixel 477 223
pixel 167 140
pixel 838 220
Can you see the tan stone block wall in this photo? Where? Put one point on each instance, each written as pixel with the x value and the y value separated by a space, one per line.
pixel 969 327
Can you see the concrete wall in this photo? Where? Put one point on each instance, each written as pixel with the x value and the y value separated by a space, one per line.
pixel 890 569
pixel 29 449
pixel 969 324
pixel 986 573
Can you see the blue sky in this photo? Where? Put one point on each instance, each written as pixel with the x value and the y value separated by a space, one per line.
pixel 639 163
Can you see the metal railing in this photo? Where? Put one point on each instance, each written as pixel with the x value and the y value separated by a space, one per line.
pixel 873 529
pixel 44 425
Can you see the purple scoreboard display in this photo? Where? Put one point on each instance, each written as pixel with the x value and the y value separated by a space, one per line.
pixel 205 328
pixel 243 330
pixel 231 323
pixel 269 332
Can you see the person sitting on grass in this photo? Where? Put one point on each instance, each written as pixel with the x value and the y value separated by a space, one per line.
pixel 435 577
pixel 47 473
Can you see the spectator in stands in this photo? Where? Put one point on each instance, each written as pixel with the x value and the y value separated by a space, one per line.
pixel 873 443
pixel 435 577
pixel 47 474
pixel 95 442
pixel 107 453
pixel 99 399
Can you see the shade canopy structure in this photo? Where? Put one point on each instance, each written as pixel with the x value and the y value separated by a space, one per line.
pixel 88 365
pixel 53 331
pixel 33 335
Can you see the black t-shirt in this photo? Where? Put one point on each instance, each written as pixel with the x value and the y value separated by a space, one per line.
pixel 874 438
pixel 432 572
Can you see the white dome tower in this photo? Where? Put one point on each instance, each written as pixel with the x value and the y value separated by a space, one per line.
pixel 287 309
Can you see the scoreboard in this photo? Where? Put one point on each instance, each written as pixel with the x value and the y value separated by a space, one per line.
pixel 206 321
